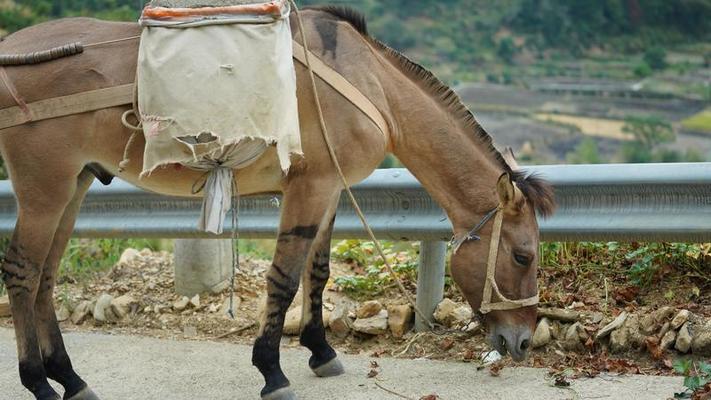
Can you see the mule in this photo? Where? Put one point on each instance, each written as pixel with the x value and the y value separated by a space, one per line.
pixel 51 164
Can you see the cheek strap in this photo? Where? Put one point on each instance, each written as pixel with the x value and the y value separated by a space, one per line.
pixel 490 286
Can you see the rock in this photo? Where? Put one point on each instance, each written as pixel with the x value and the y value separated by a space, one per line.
pixel 701 342
pixel 616 323
pixel 557 329
pixel 651 322
pixel 195 301
pixel 683 339
pixel 595 317
pixel 213 308
pixel 665 328
pixel 680 319
pixel 559 314
pixel 400 319
pixel 339 322
pixel 292 321
pixel 449 313
pixel 181 304
pixel 326 315
pixel 490 357
pixel 542 336
pixel 627 337
pixel 369 309
pixel 124 305
pixel 102 309
pixel 375 325
pixel 575 336
pixel 5 307
pixel 668 340
pixel 472 327
pixel 128 256
pixel 63 313
pixel 145 252
pixel 81 312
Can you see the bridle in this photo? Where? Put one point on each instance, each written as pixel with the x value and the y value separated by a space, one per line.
pixel 490 286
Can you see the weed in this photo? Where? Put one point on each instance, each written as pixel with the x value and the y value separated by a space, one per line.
pixel 84 257
pixel 696 376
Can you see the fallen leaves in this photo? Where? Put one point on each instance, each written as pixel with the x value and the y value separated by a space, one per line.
pixel 495 368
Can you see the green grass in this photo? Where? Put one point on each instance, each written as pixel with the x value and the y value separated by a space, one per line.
pixel 700 122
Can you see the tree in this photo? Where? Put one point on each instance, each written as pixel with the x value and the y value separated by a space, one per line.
pixel 506 50
pixel 656 57
pixel 586 152
pixel 649 131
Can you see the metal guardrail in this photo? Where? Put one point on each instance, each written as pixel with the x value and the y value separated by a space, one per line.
pixel 641 202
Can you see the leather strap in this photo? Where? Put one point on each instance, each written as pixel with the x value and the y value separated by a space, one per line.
pixel 68 105
pixel 122 95
pixel 344 87
pixel 15 95
pixel 504 303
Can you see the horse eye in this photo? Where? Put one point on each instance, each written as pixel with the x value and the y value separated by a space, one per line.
pixel 523 260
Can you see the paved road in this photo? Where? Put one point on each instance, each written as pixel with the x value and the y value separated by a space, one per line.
pixel 133 368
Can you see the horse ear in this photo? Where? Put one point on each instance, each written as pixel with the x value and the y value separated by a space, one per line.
pixel 510 196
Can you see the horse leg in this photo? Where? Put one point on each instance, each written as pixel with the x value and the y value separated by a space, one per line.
pixel 56 361
pixel 306 203
pixel 41 203
pixel 323 359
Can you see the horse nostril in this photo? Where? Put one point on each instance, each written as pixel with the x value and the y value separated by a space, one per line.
pixel 525 343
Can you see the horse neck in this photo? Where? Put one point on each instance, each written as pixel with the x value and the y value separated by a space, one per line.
pixel 444 152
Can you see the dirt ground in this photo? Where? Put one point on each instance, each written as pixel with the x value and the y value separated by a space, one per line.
pixel 148 279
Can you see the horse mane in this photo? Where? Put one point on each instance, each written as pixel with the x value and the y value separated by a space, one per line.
pixel 536 190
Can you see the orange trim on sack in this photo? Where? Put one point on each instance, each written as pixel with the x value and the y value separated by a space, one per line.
pixel 271 8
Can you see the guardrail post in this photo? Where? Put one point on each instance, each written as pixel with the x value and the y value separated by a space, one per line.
pixel 202 265
pixel 430 279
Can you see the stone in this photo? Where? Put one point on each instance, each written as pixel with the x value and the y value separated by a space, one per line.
pixel 5 307
pixel 124 305
pixel 574 338
pixel 651 322
pixel 616 323
pixel 181 304
pixel 449 313
pixel 81 312
pixel 701 342
pixel 627 337
pixel 472 327
pixel 340 323
pixel 369 309
pixel 668 340
pixel 595 317
pixel 683 339
pixel 128 256
pixel 559 314
pixel 664 329
pixel 292 321
pixel 195 301
pixel 63 313
pixel 680 319
pixel 542 336
pixel 102 309
pixel 375 325
pixel 400 318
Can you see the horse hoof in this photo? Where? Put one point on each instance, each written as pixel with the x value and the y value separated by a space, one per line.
pixel 281 394
pixel 85 394
pixel 331 368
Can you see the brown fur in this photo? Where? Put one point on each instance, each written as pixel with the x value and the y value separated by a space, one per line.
pixel 432 133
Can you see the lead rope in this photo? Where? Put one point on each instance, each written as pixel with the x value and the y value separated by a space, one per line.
pixel 344 181
pixel 235 244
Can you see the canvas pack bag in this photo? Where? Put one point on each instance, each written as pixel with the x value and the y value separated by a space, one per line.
pixel 216 89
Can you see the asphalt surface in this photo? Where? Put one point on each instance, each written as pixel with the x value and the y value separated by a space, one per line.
pixel 128 368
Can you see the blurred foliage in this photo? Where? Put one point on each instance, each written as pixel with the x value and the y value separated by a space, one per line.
pixel 586 152
pixel 85 257
pixel 656 57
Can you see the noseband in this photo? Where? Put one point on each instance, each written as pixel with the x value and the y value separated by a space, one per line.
pixel 490 286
